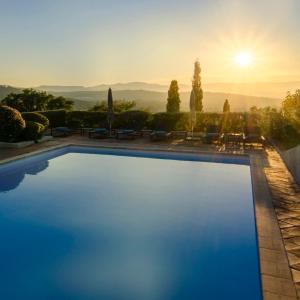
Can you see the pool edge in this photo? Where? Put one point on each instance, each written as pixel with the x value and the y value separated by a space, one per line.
pixel 276 277
pixel 154 150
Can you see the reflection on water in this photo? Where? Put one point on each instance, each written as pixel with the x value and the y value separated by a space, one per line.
pixel 91 227
pixel 11 179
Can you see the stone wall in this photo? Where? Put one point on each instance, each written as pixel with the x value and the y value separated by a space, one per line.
pixel 292 160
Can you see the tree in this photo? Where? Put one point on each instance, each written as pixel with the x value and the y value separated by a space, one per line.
pixel 119 106
pixel 28 100
pixel 226 107
pixel 60 103
pixel 254 109
pixel 196 83
pixel 32 100
pixel 173 104
pixel 291 108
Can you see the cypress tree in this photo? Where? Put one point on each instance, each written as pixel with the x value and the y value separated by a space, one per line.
pixel 173 104
pixel 226 119
pixel 226 106
pixel 197 88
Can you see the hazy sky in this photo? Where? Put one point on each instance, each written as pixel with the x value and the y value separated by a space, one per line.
pixel 88 42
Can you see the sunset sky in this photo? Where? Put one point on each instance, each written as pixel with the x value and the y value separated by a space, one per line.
pixel 88 42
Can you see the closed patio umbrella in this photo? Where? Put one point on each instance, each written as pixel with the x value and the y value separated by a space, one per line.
pixel 110 110
pixel 193 110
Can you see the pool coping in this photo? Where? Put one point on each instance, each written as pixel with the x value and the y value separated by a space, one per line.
pixel 118 147
pixel 276 277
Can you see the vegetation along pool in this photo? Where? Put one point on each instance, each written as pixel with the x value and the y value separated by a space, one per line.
pixel 84 224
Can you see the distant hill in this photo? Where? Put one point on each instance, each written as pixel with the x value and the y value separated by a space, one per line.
pixel 147 99
pixel 256 89
pixel 60 88
pixel 156 101
pixel 132 86
pixel 116 87
pixel 6 89
pixel 264 89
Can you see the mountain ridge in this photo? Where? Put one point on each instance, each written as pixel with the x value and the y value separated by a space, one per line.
pixel 155 101
pixel 256 89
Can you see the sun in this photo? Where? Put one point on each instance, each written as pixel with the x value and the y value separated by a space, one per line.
pixel 244 59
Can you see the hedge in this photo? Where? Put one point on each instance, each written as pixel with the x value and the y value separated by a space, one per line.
pixel 168 121
pixel 136 120
pixel 205 120
pixel 56 117
pixel 75 119
pixel 142 119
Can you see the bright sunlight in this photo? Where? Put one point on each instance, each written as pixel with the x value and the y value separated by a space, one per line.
pixel 244 59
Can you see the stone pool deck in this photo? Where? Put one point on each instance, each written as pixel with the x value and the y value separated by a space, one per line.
pixel 286 199
pixel 277 206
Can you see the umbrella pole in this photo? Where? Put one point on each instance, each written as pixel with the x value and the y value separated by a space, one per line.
pixel 192 131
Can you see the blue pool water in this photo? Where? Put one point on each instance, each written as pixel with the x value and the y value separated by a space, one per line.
pixel 87 224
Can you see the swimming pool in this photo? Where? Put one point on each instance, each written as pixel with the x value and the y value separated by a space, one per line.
pixel 85 223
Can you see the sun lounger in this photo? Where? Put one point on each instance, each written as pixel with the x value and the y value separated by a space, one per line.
pixel 127 134
pixel 232 138
pixel 146 132
pixel 61 131
pixel 179 134
pixel 99 133
pixel 160 135
pixel 212 134
pixel 194 136
pixel 253 136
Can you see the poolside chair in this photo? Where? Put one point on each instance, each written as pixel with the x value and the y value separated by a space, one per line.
pixel 212 134
pixel 75 126
pixel 61 131
pixel 127 134
pixel 99 133
pixel 179 134
pixel 145 132
pixel 194 136
pixel 234 139
pixel 253 136
pixel 160 135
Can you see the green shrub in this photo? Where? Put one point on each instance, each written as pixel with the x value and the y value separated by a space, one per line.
pixel 75 119
pixel 56 117
pixel 86 119
pixel 95 119
pixel 277 125
pixel 206 120
pixel 33 131
pixel 169 121
pixel 11 124
pixel 133 119
pixel 36 117
pixel 233 122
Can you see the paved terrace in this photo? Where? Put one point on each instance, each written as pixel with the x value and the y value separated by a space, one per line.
pixel 277 206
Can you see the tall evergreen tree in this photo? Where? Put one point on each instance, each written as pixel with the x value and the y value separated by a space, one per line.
pixel 173 104
pixel 197 88
pixel 225 119
pixel 226 106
